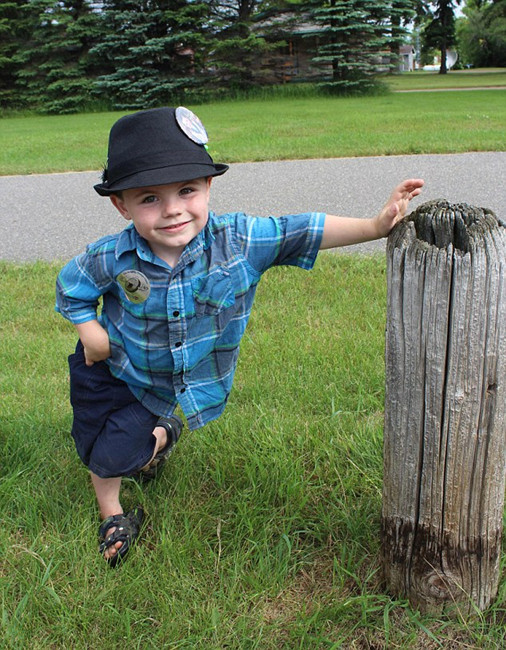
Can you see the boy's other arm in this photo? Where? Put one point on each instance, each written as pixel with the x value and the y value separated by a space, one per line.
pixel 95 340
pixel 343 231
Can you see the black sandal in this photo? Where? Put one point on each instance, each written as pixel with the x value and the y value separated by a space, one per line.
pixel 173 425
pixel 127 529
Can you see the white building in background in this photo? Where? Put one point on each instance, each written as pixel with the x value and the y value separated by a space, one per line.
pixel 407 55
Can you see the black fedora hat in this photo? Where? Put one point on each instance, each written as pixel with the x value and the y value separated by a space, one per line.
pixel 156 147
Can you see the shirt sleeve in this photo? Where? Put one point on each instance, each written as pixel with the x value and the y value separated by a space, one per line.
pixel 78 289
pixel 292 240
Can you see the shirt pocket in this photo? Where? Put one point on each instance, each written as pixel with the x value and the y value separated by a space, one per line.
pixel 213 293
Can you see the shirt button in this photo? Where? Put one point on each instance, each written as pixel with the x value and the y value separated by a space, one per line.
pixel 182 390
pixel 178 344
pixel 175 314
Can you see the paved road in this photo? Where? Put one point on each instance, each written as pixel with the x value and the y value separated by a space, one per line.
pixel 54 216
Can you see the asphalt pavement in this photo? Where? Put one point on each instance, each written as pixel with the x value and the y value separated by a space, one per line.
pixel 53 217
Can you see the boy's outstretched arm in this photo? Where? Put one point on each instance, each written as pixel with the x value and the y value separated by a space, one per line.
pixel 343 231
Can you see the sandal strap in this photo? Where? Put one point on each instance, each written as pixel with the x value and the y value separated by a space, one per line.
pixel 114 520
pixel 127 529
pixel 173 425
pixel 127 525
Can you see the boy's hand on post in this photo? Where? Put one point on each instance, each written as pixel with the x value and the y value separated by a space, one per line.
pixel 396 206
pixel 343 231
pixel 95 340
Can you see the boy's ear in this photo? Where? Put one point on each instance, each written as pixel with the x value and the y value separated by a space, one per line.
pixel 120 206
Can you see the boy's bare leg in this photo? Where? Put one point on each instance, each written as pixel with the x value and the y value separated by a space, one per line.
pixel 107 491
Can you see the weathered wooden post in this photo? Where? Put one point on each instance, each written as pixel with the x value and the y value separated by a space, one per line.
pixel 445 410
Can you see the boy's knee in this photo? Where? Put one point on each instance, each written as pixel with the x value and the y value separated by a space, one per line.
pixel 121 454
pixel 112 463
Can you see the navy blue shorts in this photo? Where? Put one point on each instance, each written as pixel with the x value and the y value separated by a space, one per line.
pixel 112 431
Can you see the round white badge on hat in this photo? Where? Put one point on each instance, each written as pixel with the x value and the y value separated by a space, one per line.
pixel 191 126
pixel 135 285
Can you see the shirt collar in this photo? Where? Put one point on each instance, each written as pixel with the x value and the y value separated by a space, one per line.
pixel 129 240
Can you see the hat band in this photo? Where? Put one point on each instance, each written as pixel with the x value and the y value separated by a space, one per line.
pixel 111 183
pixel 144 164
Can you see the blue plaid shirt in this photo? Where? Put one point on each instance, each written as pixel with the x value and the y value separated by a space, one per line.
pixel 180 344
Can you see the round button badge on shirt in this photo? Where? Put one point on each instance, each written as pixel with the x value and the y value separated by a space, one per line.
pixel 135 285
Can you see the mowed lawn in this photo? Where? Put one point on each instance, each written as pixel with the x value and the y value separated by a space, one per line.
pixel 281 128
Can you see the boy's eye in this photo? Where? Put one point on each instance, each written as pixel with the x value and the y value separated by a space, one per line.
pixel 149 199
pixel 186 190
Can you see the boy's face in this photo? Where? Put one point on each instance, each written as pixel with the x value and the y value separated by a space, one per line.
pixel 167 216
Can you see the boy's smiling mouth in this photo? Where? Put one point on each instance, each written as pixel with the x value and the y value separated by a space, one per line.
pixel 175 227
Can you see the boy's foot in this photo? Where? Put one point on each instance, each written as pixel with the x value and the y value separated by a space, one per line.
pixel 118 533
pixel 173 426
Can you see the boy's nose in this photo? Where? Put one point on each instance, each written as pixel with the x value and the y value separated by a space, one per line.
pixel 171 206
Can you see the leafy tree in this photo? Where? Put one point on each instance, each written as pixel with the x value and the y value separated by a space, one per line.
pixel 482 33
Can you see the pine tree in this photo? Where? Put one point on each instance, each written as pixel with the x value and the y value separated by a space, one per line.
pixel 16 24
pixel 356 36
pixel 440 31
pixel 401 13
pixel 53 68
pixel 232 45
pixel 148 51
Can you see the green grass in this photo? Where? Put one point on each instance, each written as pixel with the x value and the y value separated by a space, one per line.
pixel 277 129
pixel 428 80
pixel 263 531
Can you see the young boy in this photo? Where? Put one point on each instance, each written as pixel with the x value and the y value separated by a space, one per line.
pixel 177 287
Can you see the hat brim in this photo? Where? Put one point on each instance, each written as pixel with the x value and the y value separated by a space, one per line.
pixel 162 176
